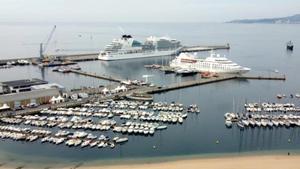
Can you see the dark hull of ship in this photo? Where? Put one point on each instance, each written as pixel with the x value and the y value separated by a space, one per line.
pixel 290 47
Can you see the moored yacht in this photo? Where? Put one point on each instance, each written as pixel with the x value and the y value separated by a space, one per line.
pixel 228 123
pixel 214 63
pixel 186 72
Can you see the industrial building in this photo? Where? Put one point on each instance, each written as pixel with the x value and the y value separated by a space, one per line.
pixel 23 92
pixel 17 86
pixel 40 96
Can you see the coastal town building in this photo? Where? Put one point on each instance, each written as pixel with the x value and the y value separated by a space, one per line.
pixel 21 93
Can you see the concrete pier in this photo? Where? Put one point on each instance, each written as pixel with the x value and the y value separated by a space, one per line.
pixel 94 56
pixel 104 77
pixel 77 57
pixel 221 78
pixel 203 48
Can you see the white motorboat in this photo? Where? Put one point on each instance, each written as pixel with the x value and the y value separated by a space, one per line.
pixel 228 123
pixel 161 127
pixel 121 140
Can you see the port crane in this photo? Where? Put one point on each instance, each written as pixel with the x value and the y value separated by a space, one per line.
pixel 43 46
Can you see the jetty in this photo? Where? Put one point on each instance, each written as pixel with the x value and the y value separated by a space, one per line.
pixel 29 59
pixel 103 77
pixel 204 48
pixel 220 78
pixel 76 57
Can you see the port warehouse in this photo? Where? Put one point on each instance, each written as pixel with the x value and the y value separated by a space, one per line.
pixel 17 86
pixel 41 96
pixel 22 92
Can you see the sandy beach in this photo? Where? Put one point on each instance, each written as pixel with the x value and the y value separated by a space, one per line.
pixel 244 162
pixel 224 162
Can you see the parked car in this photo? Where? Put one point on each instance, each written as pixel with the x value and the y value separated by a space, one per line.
pixel 32 105
pixel 18 108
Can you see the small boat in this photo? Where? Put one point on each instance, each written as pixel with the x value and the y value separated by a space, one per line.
pixel 298 123
pixel 153 66
pixel 240 125
pixel 122 140
pixel 289 45
pixel 252 122
pixel 76 67
pixel 101 144
pixel 206 75
pixel 264 123
pixel 258 123
pixel 64 69
pixel 55 69
pixel 276 123
pixel 279 96
pixel 228 123
pixel 161 127
pixel 270 123
pixel 168 71
pixel 139 96
pixel 287 123
pixel 186 72
pixel 245 123
pixel 281 123
pixel 93 143
pixel 112 145
pixel 152 131
pixel 180 120
pixel 85 143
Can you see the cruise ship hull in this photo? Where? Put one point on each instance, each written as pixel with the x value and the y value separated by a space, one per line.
pixel 200 68
pixel 214 63
pixel 117 56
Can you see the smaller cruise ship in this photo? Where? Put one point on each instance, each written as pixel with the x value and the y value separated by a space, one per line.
pixel 214 63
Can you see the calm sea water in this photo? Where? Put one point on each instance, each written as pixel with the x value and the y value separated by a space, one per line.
pixel 258 46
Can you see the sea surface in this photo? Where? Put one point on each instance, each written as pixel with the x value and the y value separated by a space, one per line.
pixel 258 46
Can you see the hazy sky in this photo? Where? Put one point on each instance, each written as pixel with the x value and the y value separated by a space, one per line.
pixel 143 10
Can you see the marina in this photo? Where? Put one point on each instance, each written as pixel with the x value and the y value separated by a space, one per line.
pixel 265 114
pixel 137 118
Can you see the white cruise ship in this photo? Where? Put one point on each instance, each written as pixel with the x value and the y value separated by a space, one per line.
pixel 127 47
pixel 214 63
